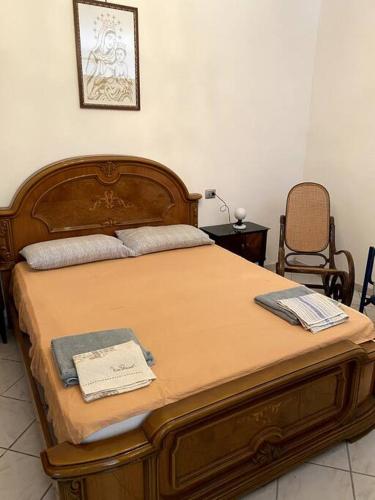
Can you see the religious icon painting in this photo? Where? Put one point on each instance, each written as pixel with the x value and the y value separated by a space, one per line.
pixel 107 55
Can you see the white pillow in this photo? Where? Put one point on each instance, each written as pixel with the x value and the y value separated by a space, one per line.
pixel 149 239
pixel 71 251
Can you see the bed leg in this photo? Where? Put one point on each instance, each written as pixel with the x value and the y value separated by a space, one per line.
pixel 357 437
pixel 71 490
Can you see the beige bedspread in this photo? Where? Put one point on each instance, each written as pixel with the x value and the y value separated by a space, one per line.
pixel 193 308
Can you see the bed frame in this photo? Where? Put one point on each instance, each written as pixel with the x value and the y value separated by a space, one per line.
pixel 216 444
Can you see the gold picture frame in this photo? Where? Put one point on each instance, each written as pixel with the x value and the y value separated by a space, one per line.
pixel 106 36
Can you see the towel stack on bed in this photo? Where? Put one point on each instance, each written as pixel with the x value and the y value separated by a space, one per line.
pixel 103 363
pixel 299 305
pixel 113 370
pixel 315 311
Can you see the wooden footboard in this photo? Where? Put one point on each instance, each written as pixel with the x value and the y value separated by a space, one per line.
pixel 229 439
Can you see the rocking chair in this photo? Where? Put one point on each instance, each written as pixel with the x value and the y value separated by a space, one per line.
pixel 308 229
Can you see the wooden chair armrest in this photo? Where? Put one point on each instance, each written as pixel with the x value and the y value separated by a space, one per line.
pixel 350 262
pixel 350 280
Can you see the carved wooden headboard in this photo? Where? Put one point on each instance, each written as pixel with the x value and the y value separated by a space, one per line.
pixel 92 194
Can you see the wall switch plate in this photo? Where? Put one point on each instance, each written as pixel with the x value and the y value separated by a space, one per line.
pixel 209 194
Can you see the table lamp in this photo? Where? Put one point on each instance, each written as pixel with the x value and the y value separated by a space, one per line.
pixel 240 214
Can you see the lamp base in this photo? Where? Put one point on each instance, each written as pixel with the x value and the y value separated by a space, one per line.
pixel 239 225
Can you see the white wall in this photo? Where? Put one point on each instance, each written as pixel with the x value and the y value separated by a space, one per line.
pixel 225 95
pixel 341 145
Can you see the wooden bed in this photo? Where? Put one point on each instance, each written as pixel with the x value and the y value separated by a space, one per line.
pixel 272 419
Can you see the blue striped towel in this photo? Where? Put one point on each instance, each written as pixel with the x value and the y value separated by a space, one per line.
pixel 315 311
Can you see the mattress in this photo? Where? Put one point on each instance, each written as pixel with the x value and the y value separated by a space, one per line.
pixel 193 308
pixel 126 425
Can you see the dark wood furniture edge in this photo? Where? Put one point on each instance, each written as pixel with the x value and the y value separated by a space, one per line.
pixel 3 326
pixel 368 280
pixel 254 227
pixel 244 243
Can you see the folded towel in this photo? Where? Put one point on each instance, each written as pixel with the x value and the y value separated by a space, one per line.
pixel 315 311
pixel 270 302
pixel 113 370
pixel 64 348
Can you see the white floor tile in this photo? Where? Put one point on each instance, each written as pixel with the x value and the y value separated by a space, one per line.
pixel 355 301
pixel 10 372
pixel 270 267
pixel 267 492
pixel 10 350
pixel 21 477
pixel 370 312
pixel 31 441
pixel 334 457
pixel 15 417
pixel 364 487
pixel 51 494
pixel 362 454
pixel 310 482
pixel 307 278
pixel 20 390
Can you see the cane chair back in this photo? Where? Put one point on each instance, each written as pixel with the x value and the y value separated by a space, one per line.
pixel 307 218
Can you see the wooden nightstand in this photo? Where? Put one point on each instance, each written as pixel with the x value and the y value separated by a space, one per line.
pixel 249 243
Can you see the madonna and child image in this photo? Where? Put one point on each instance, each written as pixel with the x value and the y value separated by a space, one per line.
pixel 107 55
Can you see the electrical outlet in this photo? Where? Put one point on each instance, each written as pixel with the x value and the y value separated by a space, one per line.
pixel 209 194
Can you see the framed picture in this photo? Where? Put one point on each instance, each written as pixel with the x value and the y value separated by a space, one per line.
pixel 107 55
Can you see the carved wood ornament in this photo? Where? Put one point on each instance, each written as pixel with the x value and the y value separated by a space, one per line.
pixel 6 253
pixel 111 200
pixel 109 169
pixel 266 454
pixel 72 490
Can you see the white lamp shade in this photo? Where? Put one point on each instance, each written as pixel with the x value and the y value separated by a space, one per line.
pixel 240 213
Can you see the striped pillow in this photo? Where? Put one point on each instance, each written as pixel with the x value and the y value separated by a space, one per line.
pixel 149 239
pixel 71 251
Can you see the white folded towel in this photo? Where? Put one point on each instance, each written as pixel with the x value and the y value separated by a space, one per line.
pixel 113 370
pixel 315 311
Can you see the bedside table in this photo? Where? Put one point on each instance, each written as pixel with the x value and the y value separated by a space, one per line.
pixel 249 243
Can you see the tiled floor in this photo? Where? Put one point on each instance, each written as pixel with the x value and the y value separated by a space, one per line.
pixel 345 472
pixel 21 474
